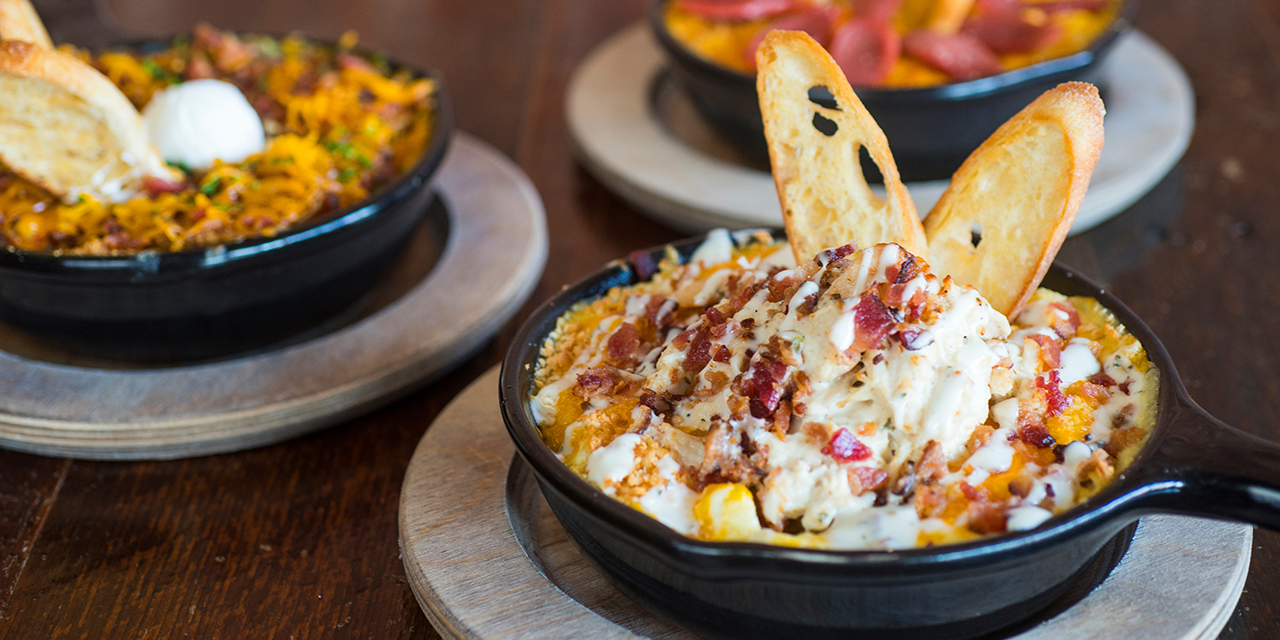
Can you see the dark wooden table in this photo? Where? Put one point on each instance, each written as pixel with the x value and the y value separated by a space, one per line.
pixel 299 540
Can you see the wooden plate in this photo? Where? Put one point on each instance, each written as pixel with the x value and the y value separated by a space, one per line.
pixel 439 304
pixel 639 134
pixel 487 559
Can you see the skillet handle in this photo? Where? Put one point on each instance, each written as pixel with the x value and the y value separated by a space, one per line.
pixel 1203 467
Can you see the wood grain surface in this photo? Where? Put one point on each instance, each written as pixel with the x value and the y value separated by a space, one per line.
pixel 299 539
pixel 488 560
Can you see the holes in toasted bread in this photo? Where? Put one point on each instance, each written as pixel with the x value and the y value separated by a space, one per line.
pixel 825 125
pixel 821 96
pixel 975 234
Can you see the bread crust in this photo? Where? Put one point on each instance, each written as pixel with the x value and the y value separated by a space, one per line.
pixel 66 127
pixel 825 199
pixel 1020 190
pixel 19 21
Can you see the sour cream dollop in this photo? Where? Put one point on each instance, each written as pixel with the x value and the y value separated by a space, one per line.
pixel 197 122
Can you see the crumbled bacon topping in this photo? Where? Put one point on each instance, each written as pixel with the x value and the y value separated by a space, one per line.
pixel 871 322
pixel 845 447
pixel 1055 401
pixel 762 386
pixel 623 344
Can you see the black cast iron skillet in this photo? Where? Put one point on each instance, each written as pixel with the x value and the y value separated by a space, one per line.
pixel 931 130
pixel 207 302
pixel 1192 464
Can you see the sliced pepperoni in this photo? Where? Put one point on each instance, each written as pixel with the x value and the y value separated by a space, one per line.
pixel 960 56
pixel 1009 32
pixel 1072 5
pixel 738 9
pixel 866 51
pixel 817 21
pixel 882 10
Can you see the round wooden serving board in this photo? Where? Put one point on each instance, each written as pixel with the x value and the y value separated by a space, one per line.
pixel 470 266
pixel 487 559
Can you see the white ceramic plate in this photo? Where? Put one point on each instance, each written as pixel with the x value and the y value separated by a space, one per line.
pixel 642 138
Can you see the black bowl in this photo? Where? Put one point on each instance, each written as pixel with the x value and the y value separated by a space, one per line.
pixel 209 302
pixel 931 130
pixel 1192 464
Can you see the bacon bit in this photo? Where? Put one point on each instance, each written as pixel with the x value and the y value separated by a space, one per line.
pixel 658 403
pixel 722 354
pixel 598 379
pixel 653 311
pixel 907 270
pixel 1021 486
pixel 914 339
pixel 642 264
pixel 1050 352
pixel 1102 380
pixel 712 383
pixel 699 352
pixel 1052 385
pixel 844 447
pixel 761 387
pixel 1065 327
pixel 684 337
pixel 1122 439
pixel 725 458
pixel 156 186
pixel 837 255
pixel 891 294
pixel 930 500
pixel 623 344
pixel 872 322
pixel 197 215
pixel 1124 387
pixel 932 465
pixel 1095 392
pixel 740 295
pixel 985 518
pixel 970 493
pixel 807 306
pixel 864 479
pixel 780 290
pixel 782 419
pixel 1098 464
pixel 1035 435
pixel 715 320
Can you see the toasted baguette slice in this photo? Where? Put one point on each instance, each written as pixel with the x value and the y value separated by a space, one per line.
pixel 64 126
pixel 19 21
pixel 825 198
pixel 1016 197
